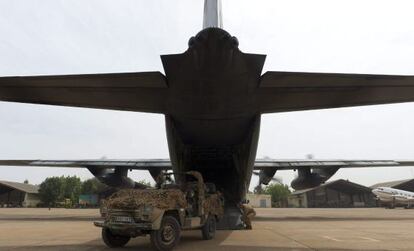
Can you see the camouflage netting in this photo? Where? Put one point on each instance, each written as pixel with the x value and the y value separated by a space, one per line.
pixel 131 199
pixel 213 205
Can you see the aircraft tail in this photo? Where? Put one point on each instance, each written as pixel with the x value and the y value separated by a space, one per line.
pixel 212 14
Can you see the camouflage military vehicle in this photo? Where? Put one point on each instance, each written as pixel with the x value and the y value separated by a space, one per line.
pixel 162 213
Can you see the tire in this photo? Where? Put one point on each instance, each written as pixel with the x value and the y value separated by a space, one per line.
pixel 208 231
pixel 168 236
pixel 113 241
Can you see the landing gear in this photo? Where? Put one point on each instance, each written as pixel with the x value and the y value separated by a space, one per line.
pixel 167 237
pixel 392 204
pixel 114 241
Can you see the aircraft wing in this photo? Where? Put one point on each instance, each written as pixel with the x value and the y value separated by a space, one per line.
pixel 143 164
pixel 262 164
pixel 293 91
pixel 143 91
pixel 165 164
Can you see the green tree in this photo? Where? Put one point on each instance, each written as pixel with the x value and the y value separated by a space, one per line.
pixel 72 188
pixel 278 192
pixel 93 186
pixel 51 191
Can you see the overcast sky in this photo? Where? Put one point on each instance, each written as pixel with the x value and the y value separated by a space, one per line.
pixel 78 36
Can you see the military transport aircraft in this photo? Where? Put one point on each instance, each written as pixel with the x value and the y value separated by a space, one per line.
pixel 212 96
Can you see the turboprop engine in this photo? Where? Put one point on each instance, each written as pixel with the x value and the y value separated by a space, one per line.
pixel 312 177
pixel 115 177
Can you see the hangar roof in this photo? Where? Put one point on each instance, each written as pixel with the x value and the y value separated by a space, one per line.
pixel 341 184
pixel 27 188
pixel 391 183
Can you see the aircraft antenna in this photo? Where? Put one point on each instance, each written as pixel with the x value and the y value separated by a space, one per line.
pixel 212 14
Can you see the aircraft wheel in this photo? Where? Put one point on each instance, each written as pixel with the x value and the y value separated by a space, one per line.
pixel 114 241
pixel 168 236
pixel 209 229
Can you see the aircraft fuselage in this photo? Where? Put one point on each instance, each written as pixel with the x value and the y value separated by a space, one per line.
pixel 212 121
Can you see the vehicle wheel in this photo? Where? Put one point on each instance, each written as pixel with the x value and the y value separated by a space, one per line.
pixel 114 241
pixel 168 236
pixel 209 229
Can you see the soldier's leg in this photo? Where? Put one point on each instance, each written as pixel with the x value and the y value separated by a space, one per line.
pixel 248 223
pixel 249 218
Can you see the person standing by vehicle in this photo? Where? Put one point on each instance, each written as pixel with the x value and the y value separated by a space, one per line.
pixel 248 213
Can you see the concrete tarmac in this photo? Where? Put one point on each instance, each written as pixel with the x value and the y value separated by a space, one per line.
pixel 274 229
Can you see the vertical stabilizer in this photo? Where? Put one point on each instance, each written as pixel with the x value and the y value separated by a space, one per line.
pixel 212 14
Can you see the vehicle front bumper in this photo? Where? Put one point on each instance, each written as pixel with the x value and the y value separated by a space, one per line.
pixel 131 229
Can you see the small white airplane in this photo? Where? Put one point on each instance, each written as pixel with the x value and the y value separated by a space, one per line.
pixel 394 196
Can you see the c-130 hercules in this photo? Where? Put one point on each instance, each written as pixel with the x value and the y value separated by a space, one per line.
pixel 212 96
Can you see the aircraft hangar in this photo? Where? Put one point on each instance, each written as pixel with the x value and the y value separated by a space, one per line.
pixel 13 194
pixel 335 194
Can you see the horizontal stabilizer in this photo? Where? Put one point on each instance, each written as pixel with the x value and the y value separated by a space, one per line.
pixel 293 91
pixel 143 92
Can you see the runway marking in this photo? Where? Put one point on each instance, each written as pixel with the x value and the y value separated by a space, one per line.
pixel 292 239
pixel 370 239
pixel 331 238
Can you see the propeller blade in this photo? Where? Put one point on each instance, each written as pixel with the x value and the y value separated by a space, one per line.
pixel 276 179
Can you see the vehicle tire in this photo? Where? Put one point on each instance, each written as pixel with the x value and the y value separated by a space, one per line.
pixel 209 229
pixel 168 236
pixel 114 241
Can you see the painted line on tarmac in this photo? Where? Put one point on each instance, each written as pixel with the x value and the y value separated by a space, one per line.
pixel 331 238
pixel 369 239
pixel 292 239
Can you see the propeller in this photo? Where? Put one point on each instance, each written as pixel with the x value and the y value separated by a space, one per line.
pixel 276 179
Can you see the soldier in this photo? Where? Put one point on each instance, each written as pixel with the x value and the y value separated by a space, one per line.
pixel 248 214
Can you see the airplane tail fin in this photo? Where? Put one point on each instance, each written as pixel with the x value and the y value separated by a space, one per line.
pixel 212 14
